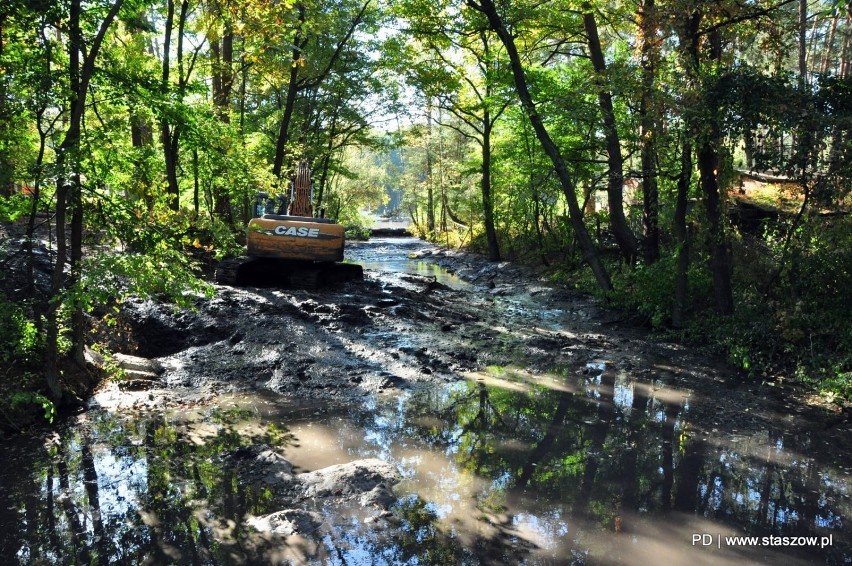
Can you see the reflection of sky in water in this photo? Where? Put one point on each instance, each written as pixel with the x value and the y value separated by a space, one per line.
pixel 730 485
pixel 550 527
pixel 623 393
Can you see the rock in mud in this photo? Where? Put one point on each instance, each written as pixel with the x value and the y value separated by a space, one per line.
pixel 138 364
pixel 287 522
pixel 260 463
pixel 371 478
pixel 351 479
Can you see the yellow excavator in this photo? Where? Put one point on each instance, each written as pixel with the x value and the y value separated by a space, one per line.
pixel 287 246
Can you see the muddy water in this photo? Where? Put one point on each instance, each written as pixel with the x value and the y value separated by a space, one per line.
pixel 502 467
pixel 401 255
pixel 586 463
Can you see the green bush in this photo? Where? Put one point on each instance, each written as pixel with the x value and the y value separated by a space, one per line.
pixel 29 398
pixel 19 337
pixel 14 207
pixel 649 290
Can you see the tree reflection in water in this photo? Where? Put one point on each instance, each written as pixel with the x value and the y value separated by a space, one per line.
pixel 160 497
pixel 509 468
pixel 609 449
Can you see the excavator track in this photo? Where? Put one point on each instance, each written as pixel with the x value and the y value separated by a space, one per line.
pixel 291 274
pixel 228 269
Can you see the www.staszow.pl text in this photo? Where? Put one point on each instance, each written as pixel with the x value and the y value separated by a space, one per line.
pixel 705 539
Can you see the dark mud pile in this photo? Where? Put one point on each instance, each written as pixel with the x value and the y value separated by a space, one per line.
pixel 397 330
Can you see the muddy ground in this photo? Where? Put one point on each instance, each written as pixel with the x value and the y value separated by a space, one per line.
pixel 397 330
pixel 423 318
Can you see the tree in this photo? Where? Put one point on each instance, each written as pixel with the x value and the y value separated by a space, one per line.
pixel 69 190
pixel 303 34
pixel 489 10
pixel 460 71
pixel 615 185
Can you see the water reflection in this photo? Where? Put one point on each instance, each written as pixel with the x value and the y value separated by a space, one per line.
pixel 383 254
pixel 501 468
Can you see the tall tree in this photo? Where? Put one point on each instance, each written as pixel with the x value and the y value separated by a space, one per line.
pixel 6 168
pixel 305 32
pixel 615 185
pixel 649 48
pixel 69 190
pixel 489 10
pixel 169 141
pixel 461 72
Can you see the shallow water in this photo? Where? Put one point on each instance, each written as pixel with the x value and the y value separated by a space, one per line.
pixel 502 467
pixel 390 255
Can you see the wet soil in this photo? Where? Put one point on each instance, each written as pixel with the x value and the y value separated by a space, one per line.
pixel 444 410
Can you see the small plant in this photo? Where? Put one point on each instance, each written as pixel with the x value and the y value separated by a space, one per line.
pixel 26 397
pixel 19 336
pixel 109 365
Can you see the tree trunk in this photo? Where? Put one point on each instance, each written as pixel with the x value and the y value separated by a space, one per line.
pixel 681 235
pixel 430 197
pixel 326 161
pixel 36 199
pixel 615 185
pixel 826 57
pixel 847 45
pixel 720 256
pixel 709 162
pixel 68 192
pixel 299 42
pixel 195 182
pixel 169 147
pixel 648 119
pixel 488 8
pixel 803 44
pixel 7 173
pixel 487 198
pixel 487 128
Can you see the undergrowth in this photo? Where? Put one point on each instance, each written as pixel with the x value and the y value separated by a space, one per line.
pixel 792 317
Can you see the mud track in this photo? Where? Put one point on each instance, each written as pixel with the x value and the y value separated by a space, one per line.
pixel 398 330
pixel 445 410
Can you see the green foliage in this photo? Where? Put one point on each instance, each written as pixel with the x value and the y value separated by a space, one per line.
pixel 650 289
pixel 165 273
pixel 19 338
pixel 747 338
pixel 800 326
pixel 813 300
pixel 14 207
pixel 27 397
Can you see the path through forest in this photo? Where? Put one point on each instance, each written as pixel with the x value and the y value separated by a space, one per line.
pixel 446 410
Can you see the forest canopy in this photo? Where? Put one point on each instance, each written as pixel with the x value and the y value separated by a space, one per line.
pixel 689 161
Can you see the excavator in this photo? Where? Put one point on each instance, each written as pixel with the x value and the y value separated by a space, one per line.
pixel 286 246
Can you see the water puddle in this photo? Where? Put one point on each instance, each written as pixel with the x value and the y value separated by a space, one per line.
pixel 391 255
pixel 506 466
